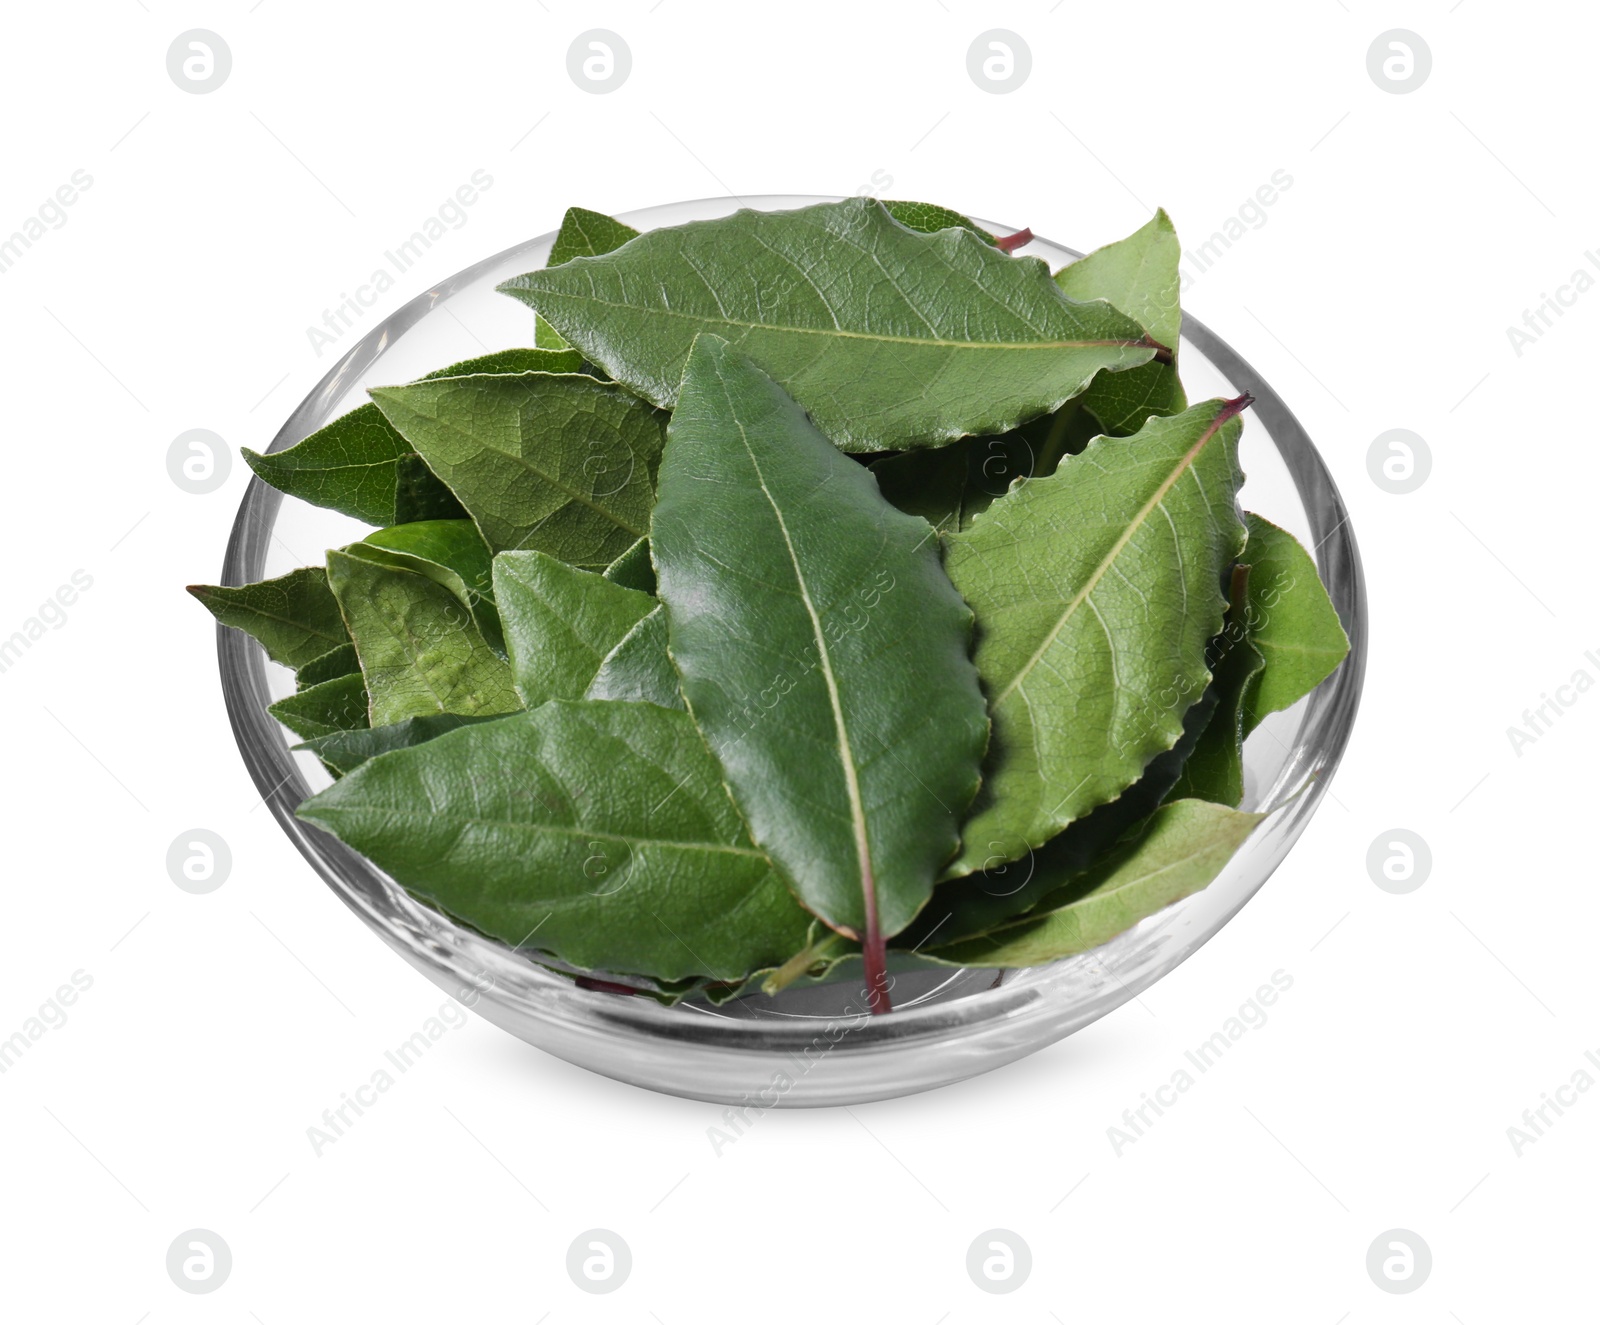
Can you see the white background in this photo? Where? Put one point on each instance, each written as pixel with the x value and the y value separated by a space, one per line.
pixel 1376 295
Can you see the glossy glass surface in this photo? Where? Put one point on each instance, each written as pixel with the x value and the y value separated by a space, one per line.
pixel 802 1048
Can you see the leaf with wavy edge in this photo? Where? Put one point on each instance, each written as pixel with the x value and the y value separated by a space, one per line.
pixel 599 832
pixel 888 338
pixel 821 649
pixel 554 462
pixel 1096 591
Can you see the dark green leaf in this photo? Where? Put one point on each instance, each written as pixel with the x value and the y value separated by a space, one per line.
pixel 889 338
pixel 1096 592
pixel 583 234
pixel 294 617
pixel 633 569
pixel 640 668
pixel 1183 848
pixel 560 623
pixel 328 666
pixel 558 463
pixel 928 217
pixel 345 750
pixel 599 832
pixel 329 706
pixel 822 649
pixel 354 464
pixel 420 651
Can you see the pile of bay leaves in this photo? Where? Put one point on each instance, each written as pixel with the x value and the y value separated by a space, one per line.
pixel 827 594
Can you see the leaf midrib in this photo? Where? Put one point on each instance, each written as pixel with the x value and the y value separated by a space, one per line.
pixel 568 830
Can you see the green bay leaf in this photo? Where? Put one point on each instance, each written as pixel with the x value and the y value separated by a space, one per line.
pixel 452 554
pixel 1183 847
pixel 420 651
pixel 294 617
pixel 633 569
pixel 1292 622
pixel 583 234
pixel 1096 591
pixel 888 338
pixel 598 832
pixel 560 623
pixel 329 706
pixel 1139 276
pixel 821 648
pixel 928 217
pixel 343 751
pixel 554 462
pixel 640 668
pixel 361 466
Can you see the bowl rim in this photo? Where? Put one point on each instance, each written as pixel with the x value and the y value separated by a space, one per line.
pixel 434 944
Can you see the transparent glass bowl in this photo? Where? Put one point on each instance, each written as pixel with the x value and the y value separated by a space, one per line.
pixel 804 1047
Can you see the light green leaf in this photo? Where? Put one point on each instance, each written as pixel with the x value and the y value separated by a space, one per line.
pixel 1139 276
pixel 928 218
pixel 559 463
pixel 345 750
pixel 640 668
pixel 361 466
pixel 1184 847
pixel 294 617
pixel 888 338
pixel 1096 591
pixel 1292 622
pixel 451 553
pixel 633 569
pixel 560 623
pixel 329 706
pixel 583 234
pixel 420 651
pixel 598 832
pixel 821 647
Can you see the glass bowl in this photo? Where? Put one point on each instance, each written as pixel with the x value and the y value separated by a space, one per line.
pixel 805 1047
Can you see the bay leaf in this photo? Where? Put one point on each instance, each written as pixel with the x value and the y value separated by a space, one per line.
pixel 342 751
pixel 1096 592
pixel 420 651
pixel 821 648
pixel 583 234
pixel 598 832
pixel 1139 276
pixel 328 706
pixel 1184 846
pixel 1292 622
pixel 890 339
pixel 633 569
pixel 554 462
pixel 294 617
pixel 361 466
pixel 640 668
pixel 976 903
pixel 451 553
pixel 338 662
pixel 560 623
